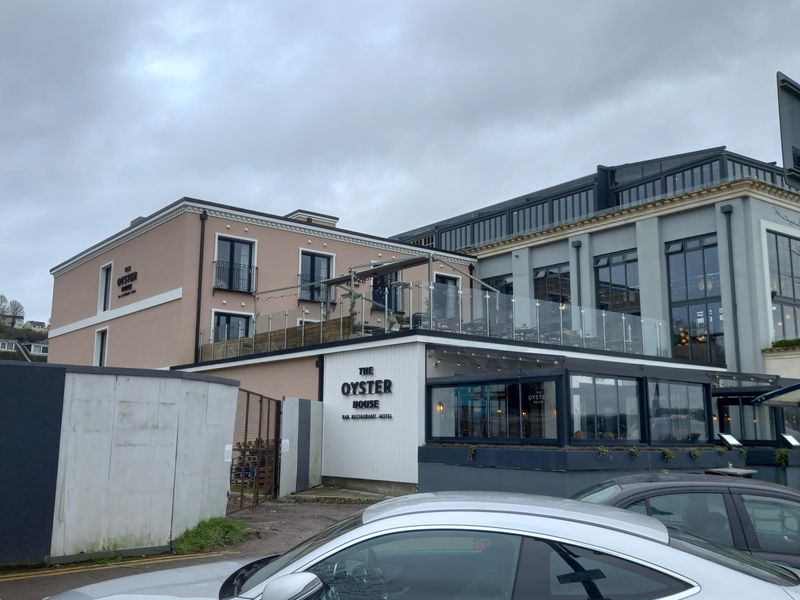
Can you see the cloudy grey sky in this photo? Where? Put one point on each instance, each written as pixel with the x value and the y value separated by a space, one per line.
pixel 389 115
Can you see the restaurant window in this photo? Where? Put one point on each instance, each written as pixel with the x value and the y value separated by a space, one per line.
pixel 695 300
pixel 738 417
pixel 508 411
pixel 552 290
pixel 387 292
pixel 617 282
pixel 314 268
pixel 605 408
pixel 677 411
pixel 783 254
pixel 791 421
pixel 233 269
pixel 229 326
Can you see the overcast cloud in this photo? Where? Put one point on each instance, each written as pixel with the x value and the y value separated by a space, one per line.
pixel 389 115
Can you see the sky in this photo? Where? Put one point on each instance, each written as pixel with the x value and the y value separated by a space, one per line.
pixel 387 115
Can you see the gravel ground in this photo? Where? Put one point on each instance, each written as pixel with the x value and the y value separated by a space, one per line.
pixel 276 526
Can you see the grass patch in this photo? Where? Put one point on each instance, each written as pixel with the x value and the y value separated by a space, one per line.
pixel 210 534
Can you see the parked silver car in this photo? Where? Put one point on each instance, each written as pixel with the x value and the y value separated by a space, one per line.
pixel 481 546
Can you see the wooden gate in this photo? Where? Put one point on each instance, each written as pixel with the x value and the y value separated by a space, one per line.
pixel 255 461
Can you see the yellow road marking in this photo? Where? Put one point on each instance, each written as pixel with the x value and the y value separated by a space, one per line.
pixel 78 569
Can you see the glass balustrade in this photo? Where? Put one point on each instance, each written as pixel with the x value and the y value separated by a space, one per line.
pixel 441 306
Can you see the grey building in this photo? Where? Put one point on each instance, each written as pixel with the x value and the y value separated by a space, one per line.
pixel 705 245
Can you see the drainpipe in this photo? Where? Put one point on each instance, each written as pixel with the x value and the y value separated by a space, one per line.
pixel 727 210
pixel 203 219
pixel 577 245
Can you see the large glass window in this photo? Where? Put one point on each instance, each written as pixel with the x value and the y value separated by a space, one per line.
pixel 551 287
pixel 314 268
pixel 233 269
pixel 738 417
pixel 604 408
pixel 531 218
pixel 446 300
pixel 784 274
pixel 791 421
pixel 500 305
pixel 776 523
pixel 694 288
pixel 500 411
pixel 489 229
pixel 677 412
pixel 617 282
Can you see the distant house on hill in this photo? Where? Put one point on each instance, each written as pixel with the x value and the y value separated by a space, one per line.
pixel 35 325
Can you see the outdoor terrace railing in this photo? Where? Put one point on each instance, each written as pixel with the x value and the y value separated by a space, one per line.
pixel 440 307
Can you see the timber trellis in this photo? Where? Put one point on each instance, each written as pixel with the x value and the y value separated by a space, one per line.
pixel 255 460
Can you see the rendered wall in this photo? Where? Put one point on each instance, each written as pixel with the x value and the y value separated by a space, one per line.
pixel 140 460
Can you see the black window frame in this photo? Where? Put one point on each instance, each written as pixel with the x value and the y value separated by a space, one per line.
pixel 309 291
pixel 781 301
pixel 228 316
pixel 607 261
pixel 105 287
pixel 387 292
pixel 649 416
pixel 230 275
pixel 713 341
pixel 593 441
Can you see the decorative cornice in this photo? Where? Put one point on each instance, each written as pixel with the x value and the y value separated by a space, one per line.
pixel 188 206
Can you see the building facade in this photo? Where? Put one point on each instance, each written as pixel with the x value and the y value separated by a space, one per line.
pixel 619 321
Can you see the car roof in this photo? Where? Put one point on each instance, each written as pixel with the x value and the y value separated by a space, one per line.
pixel 673 479
pixel 520 504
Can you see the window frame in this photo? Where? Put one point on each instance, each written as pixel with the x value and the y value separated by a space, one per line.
pixel 651 439
pixel 100 354
pixel 310 293
pixel 712 340
pixel 231 313
pixel 593 441
pixel 629 307
pixel 748 527
pixel 228 284
pixel 104 287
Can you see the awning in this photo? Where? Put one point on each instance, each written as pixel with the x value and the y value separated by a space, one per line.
pixel 378 269
pixel 786 396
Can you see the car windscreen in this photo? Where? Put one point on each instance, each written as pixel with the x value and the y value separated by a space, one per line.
pixel 733 559
pixel 598 494
pixel 301 549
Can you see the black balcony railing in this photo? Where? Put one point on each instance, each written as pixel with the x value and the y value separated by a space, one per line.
pixel 233 276
pixel 312 291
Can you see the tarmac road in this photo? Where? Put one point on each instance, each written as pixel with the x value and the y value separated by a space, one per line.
pixel 278 527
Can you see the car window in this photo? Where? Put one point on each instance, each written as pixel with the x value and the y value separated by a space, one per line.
pixel 776 523
pixel 550 570
pixel 733 559
pixel 702 514
pixel 639 506
pixel 598 494
pixel 422 565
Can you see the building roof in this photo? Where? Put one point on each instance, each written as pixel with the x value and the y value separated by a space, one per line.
pixel 187 204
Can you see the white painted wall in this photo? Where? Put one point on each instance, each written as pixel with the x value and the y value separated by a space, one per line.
pixel 290 424
pixel 141 459
pixel 375 449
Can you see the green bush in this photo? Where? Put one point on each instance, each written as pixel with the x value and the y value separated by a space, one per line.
pixel 786 343
pixel 210 534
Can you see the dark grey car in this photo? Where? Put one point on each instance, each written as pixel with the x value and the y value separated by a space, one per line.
pixel 747 514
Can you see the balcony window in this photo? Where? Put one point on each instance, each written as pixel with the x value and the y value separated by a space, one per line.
pixel 387 292
pixel 234 265
pixel 314 268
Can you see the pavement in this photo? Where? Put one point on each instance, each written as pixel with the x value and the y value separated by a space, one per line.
pixel 276 527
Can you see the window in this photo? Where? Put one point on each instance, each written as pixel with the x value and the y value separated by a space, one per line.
pixel 776 523
pixel 100 348
pixel 783 254
pixel 455 239
pixel 551 287
pixel 423 564
pixel 104 295
pixel 605 408
pixel 740 170
pixel 230 326
pixel 500 305
pixel 738 417
pixel 500 411
pixel 490 229
pixel 234 269
pixel 701 514
pixel 446 302
pixel 791 420
pixel 551 570
pixel 573 206
pixel 387 291
pixel 639 193
pixel 695 177
pixel 314 268
pixel 696 306
pixel 530 218
pixel 677 411
pixel 8 346
pixel 617 282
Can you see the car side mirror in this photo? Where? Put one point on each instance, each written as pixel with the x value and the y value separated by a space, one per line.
pixel 295 586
